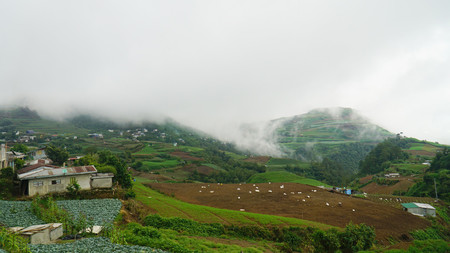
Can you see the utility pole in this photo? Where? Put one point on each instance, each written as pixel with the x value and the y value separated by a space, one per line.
pixel 435 189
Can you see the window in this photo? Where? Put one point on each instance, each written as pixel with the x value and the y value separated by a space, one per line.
pixel 58 181
pixel 38 183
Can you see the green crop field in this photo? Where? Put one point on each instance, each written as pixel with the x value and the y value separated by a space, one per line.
pixel 171 207
pixel 284 177
pixel 155 164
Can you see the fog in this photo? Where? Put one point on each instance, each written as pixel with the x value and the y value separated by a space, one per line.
pixel 215 65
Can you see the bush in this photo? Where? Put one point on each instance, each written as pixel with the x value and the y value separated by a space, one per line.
pixel 432 245
pixel 12 242
pixel 357 237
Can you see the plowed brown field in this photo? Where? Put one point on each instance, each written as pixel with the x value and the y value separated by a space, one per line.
pixel 300 201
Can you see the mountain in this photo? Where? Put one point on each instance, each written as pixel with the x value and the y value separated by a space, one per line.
pixel 340 134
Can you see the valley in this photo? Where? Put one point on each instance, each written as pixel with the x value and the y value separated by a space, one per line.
pixel 175 172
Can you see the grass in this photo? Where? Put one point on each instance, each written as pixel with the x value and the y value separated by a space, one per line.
pixel 160 164
pixel 170 207
pixel 284 177
pixel 413 168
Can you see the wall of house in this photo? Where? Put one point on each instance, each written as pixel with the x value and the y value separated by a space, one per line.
pixel 3 162
pixel 44 186
pixel 56 232
pixel 102 182
pixel 41 237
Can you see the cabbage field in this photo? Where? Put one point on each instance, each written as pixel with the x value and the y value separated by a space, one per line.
pixel 100 211
pixel 17 214
pixel 91 245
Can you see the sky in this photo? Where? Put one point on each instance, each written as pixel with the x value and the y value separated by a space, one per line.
pixel 215 65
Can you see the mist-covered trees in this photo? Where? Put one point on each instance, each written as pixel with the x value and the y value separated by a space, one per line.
pixel 380 157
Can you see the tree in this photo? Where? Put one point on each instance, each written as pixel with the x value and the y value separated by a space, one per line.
pixel 58 155
pixel 22 148
pixel 19 163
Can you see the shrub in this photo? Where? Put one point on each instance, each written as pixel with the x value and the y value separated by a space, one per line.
pixel 357 237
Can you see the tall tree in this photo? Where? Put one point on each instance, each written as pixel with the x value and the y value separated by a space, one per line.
pixel 58 155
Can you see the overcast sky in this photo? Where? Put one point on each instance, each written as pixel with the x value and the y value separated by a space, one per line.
pixel 215 64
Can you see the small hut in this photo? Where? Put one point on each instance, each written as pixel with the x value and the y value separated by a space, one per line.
pixel 420 209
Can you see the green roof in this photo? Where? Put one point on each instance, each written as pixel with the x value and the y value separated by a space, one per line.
pixel 409 205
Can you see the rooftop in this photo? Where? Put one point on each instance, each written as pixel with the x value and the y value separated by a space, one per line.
pixel 43 171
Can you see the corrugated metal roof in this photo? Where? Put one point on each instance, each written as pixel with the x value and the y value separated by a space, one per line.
pixel 409 205
pixel 417 205
pixel 45 171
pixel 423 205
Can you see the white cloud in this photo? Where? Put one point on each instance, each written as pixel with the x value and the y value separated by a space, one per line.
pixel 214 65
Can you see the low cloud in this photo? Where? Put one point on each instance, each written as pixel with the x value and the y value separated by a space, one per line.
pixel 217 65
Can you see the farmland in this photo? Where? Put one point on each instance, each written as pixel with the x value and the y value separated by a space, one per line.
pixel 100 211
pixel 88 245
pixel 388 221
pixel 284 177
pixel 171 207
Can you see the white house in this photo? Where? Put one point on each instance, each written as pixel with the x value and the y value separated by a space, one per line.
pixel 43 179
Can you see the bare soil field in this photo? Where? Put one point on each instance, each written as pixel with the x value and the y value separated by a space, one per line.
pixel 403 185
pixel 300 201
pixel 421 152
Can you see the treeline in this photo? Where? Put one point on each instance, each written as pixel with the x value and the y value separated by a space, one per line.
pixel 382 155
pixel 234 171
pixel 291 239
pixel 439 173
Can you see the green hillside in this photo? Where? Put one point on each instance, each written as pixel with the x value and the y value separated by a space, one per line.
pixel 340 134
pixel 284 177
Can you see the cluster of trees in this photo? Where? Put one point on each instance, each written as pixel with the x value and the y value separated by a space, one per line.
pixel 107 162
pixel 381 156
pixel 235 171
pixel 438 172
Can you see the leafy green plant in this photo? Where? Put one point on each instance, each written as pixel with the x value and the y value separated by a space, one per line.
pixel 13 242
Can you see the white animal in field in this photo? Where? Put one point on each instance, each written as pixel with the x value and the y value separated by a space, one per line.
pixel 211 191
pixel 256 190
pixel 308 196
pixel 200 191
pixel 238 189
pixel 284 194
pixel 282 186
pixel 327 204
pixel 299 192
pixel 270 190
pixel 292 192
pixel 353 210
pixel 250 192
pixel 304 200
pixel 239 197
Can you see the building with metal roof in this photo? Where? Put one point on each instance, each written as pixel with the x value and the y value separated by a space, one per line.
pixel 43 179
pixel 420 209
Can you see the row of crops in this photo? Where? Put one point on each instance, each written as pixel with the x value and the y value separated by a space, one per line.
pixel 100 211
pixel 91 245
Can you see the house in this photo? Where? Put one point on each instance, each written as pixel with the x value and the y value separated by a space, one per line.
pixel 3 157
pixel 101 180
pixel 420 209
pixel 43 179
pixel 40 234
pixel 38 153
pixel 389 175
